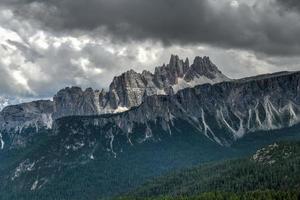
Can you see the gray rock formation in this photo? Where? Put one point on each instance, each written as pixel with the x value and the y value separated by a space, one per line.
pixel 75 101
pixel 19 116
pixel 129 89
pixel 126 91
pixel 15 119
pixel 223 112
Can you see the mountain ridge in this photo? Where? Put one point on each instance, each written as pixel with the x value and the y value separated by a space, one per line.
pixel 223 112
pixel 216 110
pixel 115 152
pixel 126 91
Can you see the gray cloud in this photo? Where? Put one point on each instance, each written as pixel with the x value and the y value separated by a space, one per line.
pixel 291 4
pixel 30 54
pixel 261 26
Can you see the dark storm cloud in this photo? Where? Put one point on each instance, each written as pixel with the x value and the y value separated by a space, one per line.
pixel 262 26
pixel 291 4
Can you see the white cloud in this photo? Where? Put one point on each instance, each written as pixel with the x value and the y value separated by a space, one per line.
pixel 39 40
pixel 234 4
pixel 21 79
pixel 6 35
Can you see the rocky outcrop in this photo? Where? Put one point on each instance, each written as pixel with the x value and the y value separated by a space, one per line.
pixel 15 119
pixel 75 101
pixel 19 116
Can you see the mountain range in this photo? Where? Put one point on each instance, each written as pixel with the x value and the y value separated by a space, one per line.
pixel 126 91
pixel 145 125
pixel 199 94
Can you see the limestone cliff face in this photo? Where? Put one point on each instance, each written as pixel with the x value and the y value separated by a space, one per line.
pixel 75 101
pixel 36 112
pixel 15 119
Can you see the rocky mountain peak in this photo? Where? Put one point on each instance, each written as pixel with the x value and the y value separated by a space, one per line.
pixel 74 101
pixel 125 91
pixel 206 70
pixel 200 61
pixel 177 66
pixel 204 66
pixel 126 79
pixel 174 59
pixel 187 62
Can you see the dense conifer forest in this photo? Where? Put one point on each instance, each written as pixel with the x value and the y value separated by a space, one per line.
pixel 272 172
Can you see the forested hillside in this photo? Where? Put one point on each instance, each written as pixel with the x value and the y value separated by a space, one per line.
pixel 272 172
pixel 58 166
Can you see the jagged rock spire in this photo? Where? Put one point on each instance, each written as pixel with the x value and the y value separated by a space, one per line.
pixel 202 66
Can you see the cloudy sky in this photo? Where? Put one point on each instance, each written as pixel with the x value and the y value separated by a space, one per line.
pixel 46 45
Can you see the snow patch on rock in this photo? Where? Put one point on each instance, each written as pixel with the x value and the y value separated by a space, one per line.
pixel 1 141
pixel 34 185
pixel 120 109
pixel 199 80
